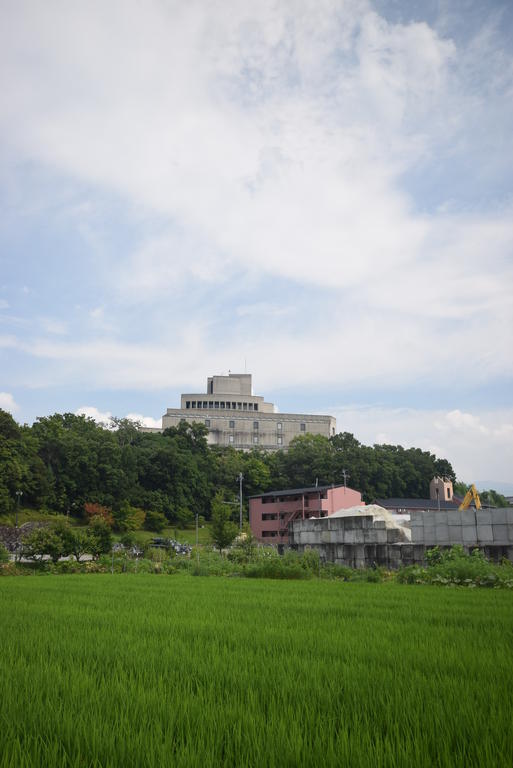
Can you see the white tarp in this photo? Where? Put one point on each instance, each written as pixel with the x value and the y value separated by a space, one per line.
pixel 377 512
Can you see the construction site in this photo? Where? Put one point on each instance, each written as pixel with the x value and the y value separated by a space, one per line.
pixel 357 535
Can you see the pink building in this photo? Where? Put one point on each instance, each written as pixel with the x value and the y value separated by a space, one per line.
pixel 270 513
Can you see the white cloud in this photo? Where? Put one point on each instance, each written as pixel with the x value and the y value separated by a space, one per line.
pixel 104 417
pixel 272 142
pixel 147 421
pixel 53 326
pixel 477 444
pixel 4 304
pixel 8 403
pixel 101 417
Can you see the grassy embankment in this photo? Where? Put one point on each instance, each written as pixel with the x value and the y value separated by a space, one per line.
pixel 141 671
pixel 183 535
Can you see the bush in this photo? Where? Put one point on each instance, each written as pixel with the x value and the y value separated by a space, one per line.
pixel 455 567
pixel 155 521
pixel 93 510
pixel 4 555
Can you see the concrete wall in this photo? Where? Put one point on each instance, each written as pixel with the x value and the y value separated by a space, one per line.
pixel 471 527
pixel 361 542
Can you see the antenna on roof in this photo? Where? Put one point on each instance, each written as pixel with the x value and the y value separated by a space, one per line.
pixel 346 475
pixel 245 368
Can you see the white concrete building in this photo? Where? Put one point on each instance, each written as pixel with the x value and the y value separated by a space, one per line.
pixel 235 416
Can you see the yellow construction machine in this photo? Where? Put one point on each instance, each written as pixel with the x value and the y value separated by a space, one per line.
pixel 470 494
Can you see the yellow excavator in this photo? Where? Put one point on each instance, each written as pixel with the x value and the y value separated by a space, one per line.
pixel 470 495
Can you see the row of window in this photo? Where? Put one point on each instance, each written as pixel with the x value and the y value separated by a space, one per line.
pixel 279 439
pixel 222 404
pixel 256 425
pixel 231 425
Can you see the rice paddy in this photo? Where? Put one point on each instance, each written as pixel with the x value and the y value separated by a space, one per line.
pixel 126 670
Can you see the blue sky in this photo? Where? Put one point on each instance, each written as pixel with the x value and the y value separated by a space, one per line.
pixel 319 190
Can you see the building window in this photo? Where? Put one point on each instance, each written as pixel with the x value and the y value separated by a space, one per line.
pixel 230 438
pixel 210 404
pixel 188 404
pixel 278 426
pixel 228 405
pixel 216 404
pixel 269 534
pixel 199 403
pixel 244 406
pixel 193 403
pixel 232 424
pixel 205 404
pixel 234 406
pixel 302 427
pixel 255 425
pixel 280 440
pixel 255 439
pixel 222 405
pixel 250 405
pixel 239 406
pixel 256 406
pixel 269 516
pixel 207 422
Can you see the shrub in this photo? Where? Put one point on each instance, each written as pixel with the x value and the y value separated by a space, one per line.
pixel 155 521
pixel 97 510
pixel 4 555
pixel 455 567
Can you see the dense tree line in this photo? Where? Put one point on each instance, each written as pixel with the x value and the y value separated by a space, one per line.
pixel 63 462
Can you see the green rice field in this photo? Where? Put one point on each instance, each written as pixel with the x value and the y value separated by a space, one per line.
pixel 145 670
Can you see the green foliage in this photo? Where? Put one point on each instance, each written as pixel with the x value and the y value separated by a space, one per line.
pixel 223 531
pixel 100 537
pixel 155 521
pixel 65 461
pixel 128 518
pixel 494 498
pixel 4 555
pixel 449 567
pixel 44 542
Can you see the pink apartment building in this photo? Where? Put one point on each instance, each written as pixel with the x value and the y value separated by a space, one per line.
pixel 270 513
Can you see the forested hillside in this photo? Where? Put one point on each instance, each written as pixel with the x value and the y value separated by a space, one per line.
pixel 63 461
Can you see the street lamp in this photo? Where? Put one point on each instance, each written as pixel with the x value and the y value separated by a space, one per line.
pixel 19 494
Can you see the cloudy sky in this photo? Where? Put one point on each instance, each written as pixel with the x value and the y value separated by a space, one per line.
pixel 317 190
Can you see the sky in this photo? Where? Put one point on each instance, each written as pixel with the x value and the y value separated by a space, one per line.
pixel 319 192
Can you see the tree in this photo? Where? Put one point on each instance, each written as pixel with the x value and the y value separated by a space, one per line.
pixel 128 518
pixel 98 510
pixel 223 531
pixel 42 542
pixel 80 543
pixel 100 537
pixel 155 521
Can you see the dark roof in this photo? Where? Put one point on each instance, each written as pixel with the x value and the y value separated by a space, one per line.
pixel 296 491
pixel 416 504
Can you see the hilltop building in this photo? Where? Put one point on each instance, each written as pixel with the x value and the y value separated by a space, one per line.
pixel 235 416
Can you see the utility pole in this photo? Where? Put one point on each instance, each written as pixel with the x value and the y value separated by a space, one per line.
pixel 197 537
pixel 346 475
pixel 19 494
pixel 240 478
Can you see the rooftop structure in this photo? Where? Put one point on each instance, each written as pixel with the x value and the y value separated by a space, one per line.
pixel 235 417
